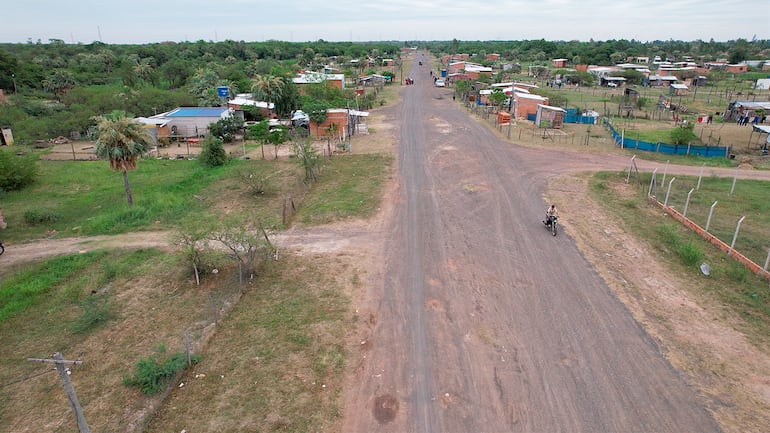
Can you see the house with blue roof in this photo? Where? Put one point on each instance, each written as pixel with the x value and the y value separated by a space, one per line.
pixel 186 122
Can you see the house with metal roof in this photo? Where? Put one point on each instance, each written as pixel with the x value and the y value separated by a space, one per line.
pixel 309 77
pixel 549 117
pixel 678 89
pixel 186 122
pixel 661 80
pixel 525 104
pixel 245 101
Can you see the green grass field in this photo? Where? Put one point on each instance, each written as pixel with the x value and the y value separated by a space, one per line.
pixel 282 343
pixel 734 286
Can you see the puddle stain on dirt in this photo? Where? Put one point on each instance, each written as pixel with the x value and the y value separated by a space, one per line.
pixel 385 408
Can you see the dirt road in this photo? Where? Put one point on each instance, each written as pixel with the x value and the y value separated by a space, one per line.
pixel 480 320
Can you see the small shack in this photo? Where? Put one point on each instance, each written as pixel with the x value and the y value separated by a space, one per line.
pixel 736 109
pixel 677 89
pixel 6 137
pixel 763 143
pixel 549 117
pixel 245 101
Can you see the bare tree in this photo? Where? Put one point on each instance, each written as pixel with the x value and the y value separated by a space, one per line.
pixel 250 248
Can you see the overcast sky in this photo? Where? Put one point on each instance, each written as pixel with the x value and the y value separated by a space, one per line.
pixel 141 21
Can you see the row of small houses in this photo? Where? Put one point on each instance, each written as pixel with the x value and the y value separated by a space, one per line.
pixel 192 123
pixel 526 105
pixel 460 69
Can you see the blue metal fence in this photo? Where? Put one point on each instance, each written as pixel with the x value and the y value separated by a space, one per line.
pixel 628 143
pixel 673 149
pixel 570 117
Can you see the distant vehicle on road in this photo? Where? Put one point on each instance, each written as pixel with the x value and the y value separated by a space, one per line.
pixel 301 119
pixel 440 83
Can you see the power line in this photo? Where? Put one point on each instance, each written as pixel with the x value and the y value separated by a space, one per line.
pixel 23 379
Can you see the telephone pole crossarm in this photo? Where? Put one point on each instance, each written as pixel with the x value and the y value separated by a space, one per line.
pixel 54 361
pixel 60 363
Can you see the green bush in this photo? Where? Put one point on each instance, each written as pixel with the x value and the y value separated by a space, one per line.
pixel 96 310
pixel 689 253
pixel 683 134
pixel 16 172
pixel 35 217
pixel 737 272
pixel 152 376
pixel 213 152
pixel 225 129
pixel 668 235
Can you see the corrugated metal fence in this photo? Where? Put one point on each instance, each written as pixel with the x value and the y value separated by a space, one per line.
pixel 672 149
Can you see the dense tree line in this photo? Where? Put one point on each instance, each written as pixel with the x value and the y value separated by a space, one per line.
pixel 169 64
pixel 57 87
pixel 609 52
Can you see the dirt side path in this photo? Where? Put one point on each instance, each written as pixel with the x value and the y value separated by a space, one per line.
pixel 17 254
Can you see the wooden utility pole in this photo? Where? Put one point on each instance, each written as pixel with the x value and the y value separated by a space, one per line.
pixel 60 363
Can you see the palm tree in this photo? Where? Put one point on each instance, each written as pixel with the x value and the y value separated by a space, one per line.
pixel 144 69
pixel 107 59
pixel 122 141
pixel 268 87
pixel 59 83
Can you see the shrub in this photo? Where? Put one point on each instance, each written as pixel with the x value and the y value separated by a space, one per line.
pixel 16 172
pixel 668 235
pixel 225 129
pixel 213 152
pixel 632 203
pixel 257 183
pixel 96 310
pixel 737 272
pixel 152 376
pixel 35 217
pixel 683 134
pixel 689 253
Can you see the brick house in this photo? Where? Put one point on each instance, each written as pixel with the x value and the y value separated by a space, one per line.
pixel 559 63
pixel 526 104
pixel 740 68
pixel 346 122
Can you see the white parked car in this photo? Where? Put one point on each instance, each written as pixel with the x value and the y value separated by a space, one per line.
pixel 440 83
pixel 611 84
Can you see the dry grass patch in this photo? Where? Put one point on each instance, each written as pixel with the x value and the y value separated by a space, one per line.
pixel 276 362
pixel 150 307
